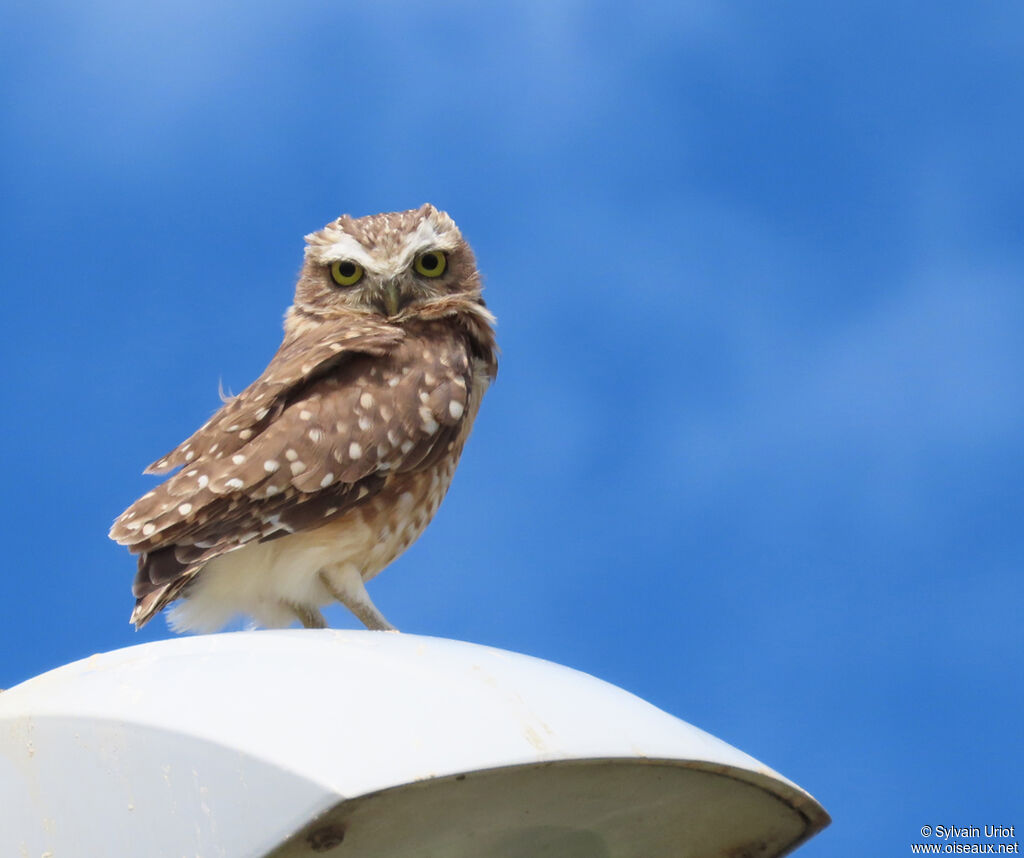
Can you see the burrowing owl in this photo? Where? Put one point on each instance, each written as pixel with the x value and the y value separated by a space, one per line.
pixel 331 463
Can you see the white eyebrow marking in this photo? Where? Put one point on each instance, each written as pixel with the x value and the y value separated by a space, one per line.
pixel 426 237
pixel 345 247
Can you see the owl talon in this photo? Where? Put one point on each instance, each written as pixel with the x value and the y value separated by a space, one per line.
pixel 346 585
pixel 310 618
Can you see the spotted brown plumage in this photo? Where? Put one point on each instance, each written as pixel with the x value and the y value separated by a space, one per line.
pixel 334 460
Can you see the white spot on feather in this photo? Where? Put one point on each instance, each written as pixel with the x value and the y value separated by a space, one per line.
pixel 273 523
pixel 355 450
pixel 429 423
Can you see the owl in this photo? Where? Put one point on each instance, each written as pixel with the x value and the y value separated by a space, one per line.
pixel 326 468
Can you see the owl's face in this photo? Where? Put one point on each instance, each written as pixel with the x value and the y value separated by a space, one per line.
pixel 389 265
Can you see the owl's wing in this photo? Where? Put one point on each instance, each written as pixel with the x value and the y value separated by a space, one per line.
pixel 330 444
pixel 298 360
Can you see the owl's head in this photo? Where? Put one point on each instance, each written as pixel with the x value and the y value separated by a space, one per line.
pixel 394 266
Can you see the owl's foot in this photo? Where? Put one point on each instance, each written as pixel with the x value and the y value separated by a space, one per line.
pixel 310 618
pixel 346 585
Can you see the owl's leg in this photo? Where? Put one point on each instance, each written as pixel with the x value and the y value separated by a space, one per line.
pixel 310 618
pixel 345 583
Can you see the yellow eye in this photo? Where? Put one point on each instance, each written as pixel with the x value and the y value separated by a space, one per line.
pixel 345 272
pixel 431 264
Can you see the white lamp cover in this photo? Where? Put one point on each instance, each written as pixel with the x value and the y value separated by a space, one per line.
pixel 354 743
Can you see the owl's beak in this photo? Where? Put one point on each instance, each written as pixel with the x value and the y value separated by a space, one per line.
pixel 392 298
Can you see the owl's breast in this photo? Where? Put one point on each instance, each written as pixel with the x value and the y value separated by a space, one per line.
pixel 397 515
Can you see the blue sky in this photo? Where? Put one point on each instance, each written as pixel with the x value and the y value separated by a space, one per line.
pixel 754 451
